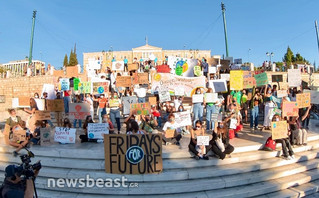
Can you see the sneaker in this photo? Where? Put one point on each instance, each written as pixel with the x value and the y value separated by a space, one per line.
pixel 197 157
pixel 168 143
pixel 287 158
pixel 205 157
pixel 100 141
pixel 15 153
pixel 177 143
pixel 292 157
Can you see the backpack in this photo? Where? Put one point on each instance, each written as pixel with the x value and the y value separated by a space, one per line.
pixel 270 145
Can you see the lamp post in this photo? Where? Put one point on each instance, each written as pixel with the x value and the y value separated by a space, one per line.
pixel 270 55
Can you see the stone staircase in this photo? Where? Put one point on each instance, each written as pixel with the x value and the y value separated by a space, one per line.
pixel 247 173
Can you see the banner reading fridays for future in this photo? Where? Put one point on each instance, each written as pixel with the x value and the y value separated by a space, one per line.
pixel 165 81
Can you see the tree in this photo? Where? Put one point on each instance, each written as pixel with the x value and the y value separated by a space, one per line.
pixel 73 57
pixel 65 61
pixel 289 57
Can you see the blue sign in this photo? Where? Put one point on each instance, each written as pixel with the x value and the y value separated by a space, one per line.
pixel 100 90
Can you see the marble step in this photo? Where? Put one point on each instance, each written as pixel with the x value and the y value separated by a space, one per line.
pixel 215 184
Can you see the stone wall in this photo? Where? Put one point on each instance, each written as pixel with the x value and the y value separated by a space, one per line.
pixel 22 86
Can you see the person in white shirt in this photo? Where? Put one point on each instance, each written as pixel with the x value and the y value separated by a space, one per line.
pixel 171 124
pixel 89 100
pixel 140 93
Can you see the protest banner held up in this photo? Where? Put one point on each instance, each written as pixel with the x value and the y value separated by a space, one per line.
pixel 281 93
pixel 294 77
pixel 261 79
pixel 218 85
pixel 127 101
pixel 152 100
pixel 279 130
pixel 183 119
pixel 19 135
pixel 114 103
pixel 96 130
pixel 64 84
pixel 203 140
pixel 163 69
pixel 164 96
pixel 198 98
pixel 118 66
pixel 132 67
pixel 164 81
pixel 45 136
pixel 303 100
pixel 133 154
pixel 101 87
pixel 123 81
pixel 140 108
pixel 211 97
pixel 79 110
pixel 289 109
pixel 64 135
pixel 56 105
pixel 236 80
pixel 249 80
pixel 42 115
pixel 225 77
pixel 24 101
pixel 85 87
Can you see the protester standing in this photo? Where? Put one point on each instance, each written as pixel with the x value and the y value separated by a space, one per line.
pixel 198 107
pixel 115 113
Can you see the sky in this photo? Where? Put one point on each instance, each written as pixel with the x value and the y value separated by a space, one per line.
pixel 253 27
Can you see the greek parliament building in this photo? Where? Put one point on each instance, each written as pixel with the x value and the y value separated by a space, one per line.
pixel 19 67
pixel 145 52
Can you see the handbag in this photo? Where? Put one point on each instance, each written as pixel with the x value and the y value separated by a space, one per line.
pixel 220 144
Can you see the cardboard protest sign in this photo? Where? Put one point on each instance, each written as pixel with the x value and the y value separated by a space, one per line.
pixel 140 108
pixel 6 130
pixel 64 84
pixel 114 103
pixel 101 87
pixel 170 133
pixel 64 135
pixel 42 115
pixel 303 100
pixel 45 136
pixel 283 85
pixel 164 96
pixel 249 80
pixel 163 69
pixel 294 77
pixel 97 130
pixel 211 97
pixel 19 135
pixel 162 81
pixel 132 67
pixel 24 101
pixel 314 96
pixel 133 154
pixel 217 117
pixel 212 70
pixel 197 70
pixel 152 100
pixel 85 87
pixel 279 130
pixel 261 79
pixel 142 78
pixel 218 85
pixel 236 80
pixel 289 109
pixel 123 81
pixel 183 119
pixel 118 65
pixel 281 93
pixel 76 82
pixel 79 110
pixel 203 140
pixel 126 102
pixel 225 77
pixel 198 98
pixel 56 105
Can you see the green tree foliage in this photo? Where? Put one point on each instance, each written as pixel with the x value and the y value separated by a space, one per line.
pixel 289 57
pixel 73 60
pixel 65 61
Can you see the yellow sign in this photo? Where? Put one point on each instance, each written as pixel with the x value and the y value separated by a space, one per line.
pixel 303 100
pixel 236 80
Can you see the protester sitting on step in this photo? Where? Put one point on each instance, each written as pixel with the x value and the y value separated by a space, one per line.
pixel 67 123
pixel 35 137
pixel 15 142
pixel 171 124
pixel 13 120
pixel 298 133
pixel 148 123
pixel 219 144
pixel 198 150
pixel 84 138
pixel 285 143
pixel 135 129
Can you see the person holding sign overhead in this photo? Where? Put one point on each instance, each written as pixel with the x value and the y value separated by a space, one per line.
pixel 198 150
pixel 198 105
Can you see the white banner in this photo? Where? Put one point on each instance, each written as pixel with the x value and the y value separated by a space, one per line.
pixel 203 140
pixel 164 96
pixel 211 97
pixel 183 119
pixel 96 130
pixel 225 76
pixel 198 98
pixel 294 77
pixel 179 91
pixel 64 135
pixel 127 101
pixel 212 70
pixel 50 89
pixel 118 66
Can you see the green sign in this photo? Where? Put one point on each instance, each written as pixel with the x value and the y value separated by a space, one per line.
pixel 261 79
pixel 76 82
pixel 85 87
pixel 197 71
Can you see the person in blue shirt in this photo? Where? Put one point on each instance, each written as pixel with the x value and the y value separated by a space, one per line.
pixel 113 60
pixel 125 64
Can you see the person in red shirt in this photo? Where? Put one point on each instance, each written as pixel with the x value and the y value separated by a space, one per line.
pixel 102 104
